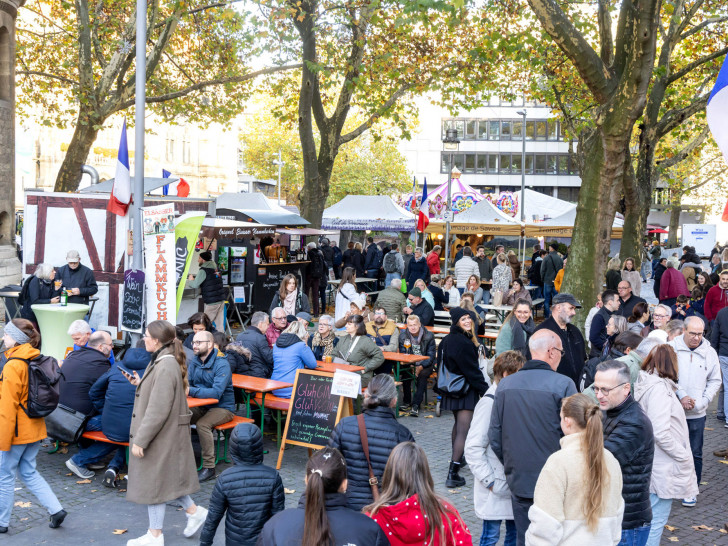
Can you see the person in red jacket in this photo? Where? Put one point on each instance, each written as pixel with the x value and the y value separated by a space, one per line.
pixel 408 510
pixel 672 284
pixel 717 297
pixel 433 260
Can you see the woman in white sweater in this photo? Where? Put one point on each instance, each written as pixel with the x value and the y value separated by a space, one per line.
pixel 578 496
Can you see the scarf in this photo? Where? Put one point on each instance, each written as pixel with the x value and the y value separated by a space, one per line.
pixel 521 334
pixel 289 304
pixel 327 343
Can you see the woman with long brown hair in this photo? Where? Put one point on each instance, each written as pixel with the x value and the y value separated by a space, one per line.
pixel 290 297
pixel 408 508
pixel 322 517
pixel 578 496
pixel 161 463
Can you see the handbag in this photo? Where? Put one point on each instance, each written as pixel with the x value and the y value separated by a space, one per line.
pixel 450 383
pixel 66 424
pixel 496 297
pixel 373 482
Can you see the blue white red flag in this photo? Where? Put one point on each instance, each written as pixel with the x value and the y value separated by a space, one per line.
pixel 165 188
pixel 716 113
pixel 121 192
pixel 423 218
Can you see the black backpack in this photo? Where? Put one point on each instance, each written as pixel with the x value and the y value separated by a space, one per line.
pixel 390 262
pixel 44 387
pixel 23 296
pixel 338 256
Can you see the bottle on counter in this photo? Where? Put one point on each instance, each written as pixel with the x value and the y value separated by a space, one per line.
pixel 64 296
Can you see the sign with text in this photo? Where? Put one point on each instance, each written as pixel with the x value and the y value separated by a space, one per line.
pixel 346 384
pixel 314 411
pixel 159 251
pixel 132 309
pixel 701 236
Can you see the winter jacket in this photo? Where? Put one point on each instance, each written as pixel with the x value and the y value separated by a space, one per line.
pixel 690 272
pixel 628 436
pixel 318 350
pixel 534 272
pixel 458 354
pixel 212 378
pixel 344 296
pixel 15 425
pixel 657 273
pixel 464 268
pixel 425 347
pixel 301 303
pixel 485 267
pixel 502 277
pixel 365 353
pixel 384 432
pixel 238 357
pixel 574 346
pixel 673 470
pixel 433 263
pixel 504 342
pixel 316 268
pixel 405 525
pixel 550 265
pixel 719 333
pixel 39 291
pixel 439 296
pixel 598 331
pixel 357 262
pixel 249 491
pixel 82 278
pixel 272 334
pixel 715 300
pixel 371 260
pixel 699 376
pixel 348 526
pixel 527 413
pixel 633 362
pixel 347 258
pixel 635 280
pixel 425 311
pixel 385 336
pixel 511 297
pixel 394 263
pixel 261 355
pixel 559 280
pixel 557 515
pixel 290 354
pixel 612 279
pixel 392 301
pixel 328 253
pixel 113 396
pixel 493 503
pixel 672 284
pixel 81 369
pixel 515 266
pixel 417 270
pixel 626 307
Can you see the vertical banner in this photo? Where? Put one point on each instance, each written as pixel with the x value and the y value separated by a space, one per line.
pixel 160 262
pixel 186 233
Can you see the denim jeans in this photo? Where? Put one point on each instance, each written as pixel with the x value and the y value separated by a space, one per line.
pixel 491 533
pixel 486 297
pixel 549 291
pixel 660 512
pixel 538 293
pixel 98 450
pixel 722 401
pixel 21 460
pixel 696 429
pixel 635 537
pixel 390 277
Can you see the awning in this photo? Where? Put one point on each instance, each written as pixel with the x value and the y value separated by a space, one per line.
pixel 280 217
pixel 231 230
pixel 150 184
pixel 306 231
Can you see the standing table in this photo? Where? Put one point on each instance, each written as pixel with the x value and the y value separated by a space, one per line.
pixel 53 321
pixel 403 358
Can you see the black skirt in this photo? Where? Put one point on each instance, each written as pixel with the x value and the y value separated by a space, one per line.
pixel 467 402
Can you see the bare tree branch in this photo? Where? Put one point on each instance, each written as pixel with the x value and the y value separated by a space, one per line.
pixel 695 64
pixel 47 75
pixel 673 118
pixel 702 25
pixel 686 151
pixel 704 182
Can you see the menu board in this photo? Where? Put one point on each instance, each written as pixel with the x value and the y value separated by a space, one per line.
pixel 314 411
pixel 132 310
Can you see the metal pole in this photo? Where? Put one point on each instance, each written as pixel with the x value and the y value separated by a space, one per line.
pixel 279 176
pixel 139 101
pixel 449 210
pixel 523 189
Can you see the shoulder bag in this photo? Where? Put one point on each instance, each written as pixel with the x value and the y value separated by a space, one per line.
pixel 66 424
pixel 450 383
pixel 373 482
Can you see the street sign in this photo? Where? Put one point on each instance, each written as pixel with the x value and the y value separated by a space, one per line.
pixel 448 216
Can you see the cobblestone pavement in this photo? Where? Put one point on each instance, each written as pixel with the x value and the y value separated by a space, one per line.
pixel 95 511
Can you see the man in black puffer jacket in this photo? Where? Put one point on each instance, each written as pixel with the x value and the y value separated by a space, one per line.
pixel 383 433
pixel 628 436
pixel 251 492
pixel 253 339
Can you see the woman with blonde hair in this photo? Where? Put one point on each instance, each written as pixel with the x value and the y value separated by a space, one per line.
pixel 502 275
pixel 613 276
pixel 578 495
pixel 408 509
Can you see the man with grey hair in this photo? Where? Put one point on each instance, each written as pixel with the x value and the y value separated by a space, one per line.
pixel 392 300
pixel 80 332
pixel 416 340
pixel 278 323
pixel 699 381
pixel 253 339
pixel 77 279
pixel 628 436
pixel 525 426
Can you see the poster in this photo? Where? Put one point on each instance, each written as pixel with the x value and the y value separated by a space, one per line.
pixel 186 233
pixel 159 253
pixel 701 236
pixel 239 294
pixel 346 384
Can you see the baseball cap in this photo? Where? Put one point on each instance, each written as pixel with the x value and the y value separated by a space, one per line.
pixel 303 316
pixel 73 256
pixel 566 298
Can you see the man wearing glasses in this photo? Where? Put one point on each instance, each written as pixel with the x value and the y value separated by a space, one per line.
pixel 698 383
pixel 525 423
pixel 628 436
pixel 627 300
pixel 660 317
pixel 209 376
pixel 278 323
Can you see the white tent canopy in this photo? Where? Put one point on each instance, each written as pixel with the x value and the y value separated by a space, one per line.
pixel 374 212
pixel 485 212
pixel 539 206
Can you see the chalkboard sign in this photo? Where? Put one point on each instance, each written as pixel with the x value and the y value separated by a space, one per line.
pixel 266 286
pixel 132 310
pixel 314 411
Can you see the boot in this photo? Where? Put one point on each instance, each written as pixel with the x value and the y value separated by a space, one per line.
pixel 453 477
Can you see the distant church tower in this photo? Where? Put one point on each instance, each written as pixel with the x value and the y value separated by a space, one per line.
pixel 9 264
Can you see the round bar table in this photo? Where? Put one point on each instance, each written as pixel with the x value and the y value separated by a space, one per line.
pixel 54 320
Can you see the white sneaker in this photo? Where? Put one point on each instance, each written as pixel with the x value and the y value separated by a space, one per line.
pixel 80 471
pixel 195 521
pixel 147 540
pixel 690 502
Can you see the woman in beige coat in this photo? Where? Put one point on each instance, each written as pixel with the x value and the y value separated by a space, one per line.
pixel 673 470
pixel 162 463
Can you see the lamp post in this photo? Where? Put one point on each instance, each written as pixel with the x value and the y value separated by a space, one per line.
pixel 450 144
pixel 280 165
pixel 523 186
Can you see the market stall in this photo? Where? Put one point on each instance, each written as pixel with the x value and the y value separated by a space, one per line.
pixel 368 212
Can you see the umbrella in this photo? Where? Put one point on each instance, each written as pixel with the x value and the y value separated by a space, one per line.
pixel 658 230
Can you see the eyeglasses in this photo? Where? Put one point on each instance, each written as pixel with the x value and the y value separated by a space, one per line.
pixel 199 342
pixel 695 334
pixel 560 350
pixel 279 318
pixel 605 391
pixel 379 313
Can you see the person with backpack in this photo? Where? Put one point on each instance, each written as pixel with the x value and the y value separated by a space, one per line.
pixel 373 259
pixel 316 274
pixel 209 281
pixel 393 265
pixel 25 398
pixel 38 288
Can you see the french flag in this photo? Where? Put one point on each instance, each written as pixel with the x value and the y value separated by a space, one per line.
pixel 181 186
pixel 423 218
pixel 716 113
pixel 121 192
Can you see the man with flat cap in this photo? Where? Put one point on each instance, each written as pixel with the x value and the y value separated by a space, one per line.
pixel 77 279
pixel 573 355
pixel 209 281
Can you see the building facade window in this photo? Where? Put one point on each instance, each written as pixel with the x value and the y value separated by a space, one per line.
pixel 169 150
pixel 186 151
pixel 509 163
pixel 568 194
pixel 485 129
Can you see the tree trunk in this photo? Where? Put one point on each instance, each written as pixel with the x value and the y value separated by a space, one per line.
pixel 314 194
pixel 675 211
pixel 637 198
pixel 603 167
pixel 69 177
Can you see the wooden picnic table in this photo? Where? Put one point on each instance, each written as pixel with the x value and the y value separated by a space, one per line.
pixel 402 358
pixel 331 367
pixel 250 386
pixel 197 402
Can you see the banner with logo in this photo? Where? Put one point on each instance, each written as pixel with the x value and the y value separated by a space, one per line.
pixel 161 276
pixel 186 234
